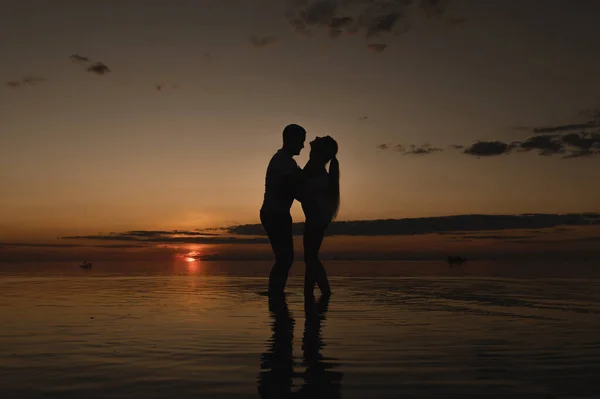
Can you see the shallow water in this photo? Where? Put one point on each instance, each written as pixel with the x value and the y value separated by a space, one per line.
pixel 391 330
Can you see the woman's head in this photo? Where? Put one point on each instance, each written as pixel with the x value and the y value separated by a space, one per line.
pixel 323 149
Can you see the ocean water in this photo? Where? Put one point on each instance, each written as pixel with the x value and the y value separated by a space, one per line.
pixel 390 330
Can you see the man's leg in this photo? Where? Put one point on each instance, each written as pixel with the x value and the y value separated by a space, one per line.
pixel 279 231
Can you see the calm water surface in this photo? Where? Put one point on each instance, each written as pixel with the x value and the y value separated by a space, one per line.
pixel 391 330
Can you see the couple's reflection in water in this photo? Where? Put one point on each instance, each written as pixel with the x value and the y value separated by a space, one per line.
pixel 277 364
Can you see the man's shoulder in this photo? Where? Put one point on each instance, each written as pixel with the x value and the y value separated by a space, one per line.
pixel 283 160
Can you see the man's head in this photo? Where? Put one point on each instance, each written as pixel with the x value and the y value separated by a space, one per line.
pixel 293 138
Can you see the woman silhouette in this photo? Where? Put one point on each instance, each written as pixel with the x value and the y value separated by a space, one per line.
pixel 320 198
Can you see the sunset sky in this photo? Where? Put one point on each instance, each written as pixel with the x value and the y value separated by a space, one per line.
pixel 153 116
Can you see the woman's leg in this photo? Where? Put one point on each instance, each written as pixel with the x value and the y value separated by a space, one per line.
pixel 315 271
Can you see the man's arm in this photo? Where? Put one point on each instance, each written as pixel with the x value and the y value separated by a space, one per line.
pixel 292 181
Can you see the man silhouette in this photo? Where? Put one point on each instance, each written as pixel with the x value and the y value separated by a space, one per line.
pixel 282 179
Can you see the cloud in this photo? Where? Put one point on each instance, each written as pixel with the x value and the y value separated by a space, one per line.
pixel 167 237
pixel 377 47
pixel 575 140
pixel 412 149
pixel 424 149
pixel 339 25
pixel 560 241
pixel 455 22
pixel 370 18
pixel 80 58
pixel 488 148
pixel 32 80
pixel 262 41
pixel 439 225
pixel 545 144
pixel 26 81
pixel 432 8
pixel 381 24
pixel 497 237
pixel 50 245
pixel 98 68
pixel 166 86
pixel 566 128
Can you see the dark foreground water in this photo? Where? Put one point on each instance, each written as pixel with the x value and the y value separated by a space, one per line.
pixel 391 330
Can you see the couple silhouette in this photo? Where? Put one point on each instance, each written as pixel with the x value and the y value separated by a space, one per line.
pixel 317 189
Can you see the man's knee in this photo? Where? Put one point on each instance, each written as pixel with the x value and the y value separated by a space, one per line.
pixel 285 258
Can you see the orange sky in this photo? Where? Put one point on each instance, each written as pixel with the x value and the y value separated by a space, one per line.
pixel 86 153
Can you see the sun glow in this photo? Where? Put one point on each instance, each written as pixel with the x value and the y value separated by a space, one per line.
pixel 190 259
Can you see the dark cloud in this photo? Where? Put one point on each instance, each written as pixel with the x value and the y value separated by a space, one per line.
pixel 79 58
pixel 497 237
pixel 412 149
pixel 455 22
pixel 566 128
pixel 166 86
pixel 559 241
pixel 26 81
pixel 262 41
pixel 49 245
pixel 424 149
pixel 37 245
pixel 381 24
pixel 544 144
pixel 432 8
pixel 368 17
pixel 440 225
pixel 32 80
pixel 488 148
pixel 571 145
pixel 98 68
pixel 377 47
pixel 13 83
pixel 166 237
pixel 338 26
pixel 582 141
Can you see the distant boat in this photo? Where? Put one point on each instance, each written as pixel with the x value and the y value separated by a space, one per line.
pixel 86 265
pixel 456 260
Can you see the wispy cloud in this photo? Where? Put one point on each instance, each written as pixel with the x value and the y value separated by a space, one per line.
pixel 263 41
pixel 49 245
pixel 168 237
pixel 26 81
pixel 412 149
pixel 575 140
pixel 80 58
pixel 440 225
pixel 370 18
pixel 377 47
pixel 166 86
pixel 488 148
pixel 98 68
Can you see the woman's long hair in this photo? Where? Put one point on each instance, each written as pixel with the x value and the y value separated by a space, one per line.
pixel 334 186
